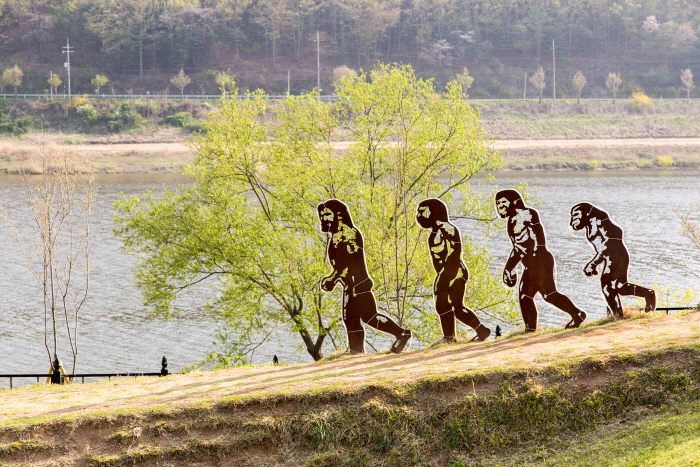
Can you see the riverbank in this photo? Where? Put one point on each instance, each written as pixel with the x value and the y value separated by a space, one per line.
pixel 169 151
pixel 527 399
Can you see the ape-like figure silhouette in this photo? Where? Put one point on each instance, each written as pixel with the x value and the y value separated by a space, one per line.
pixel 347 257
pixel 445 246
pixel 530 247
pixel 606 238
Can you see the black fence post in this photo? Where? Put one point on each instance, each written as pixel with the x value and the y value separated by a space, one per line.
pixel 164 367
pixel 56 373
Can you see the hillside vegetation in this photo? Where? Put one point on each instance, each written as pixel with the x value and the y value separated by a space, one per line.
pixel 624 393
pixel 140 44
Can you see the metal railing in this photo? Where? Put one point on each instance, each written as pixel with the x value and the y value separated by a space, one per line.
pixel 59 376
pixel 148 96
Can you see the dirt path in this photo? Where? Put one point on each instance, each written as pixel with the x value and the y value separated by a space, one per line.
pixel 181 150
pixel 595 143
pixel 534 351
pixel 16 156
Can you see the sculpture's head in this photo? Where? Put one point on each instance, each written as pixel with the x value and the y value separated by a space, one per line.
pixel 332 213
pixel 507 201
pixel 582 213
pixel 430 211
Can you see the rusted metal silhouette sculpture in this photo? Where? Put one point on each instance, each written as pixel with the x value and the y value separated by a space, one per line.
pixel 445 246
pixel 347 257
pixel 530 248
pixel 606 237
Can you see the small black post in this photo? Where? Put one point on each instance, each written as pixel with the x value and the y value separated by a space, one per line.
pixel 164 367
pixel 56 373
pixel 498 331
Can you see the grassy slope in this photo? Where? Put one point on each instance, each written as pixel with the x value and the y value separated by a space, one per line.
pixel 607 409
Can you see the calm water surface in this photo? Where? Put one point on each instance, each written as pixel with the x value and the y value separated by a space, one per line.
pixel 119 334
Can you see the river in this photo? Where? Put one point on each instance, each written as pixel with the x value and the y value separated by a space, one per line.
pixel 118 333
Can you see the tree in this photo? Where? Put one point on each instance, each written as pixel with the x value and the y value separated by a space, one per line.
pixel 181 80
pixel 124 27
pixel 273 16
pixel 687 79
pixel 226 82
pixel 538 81
pixel 54 82
pixel 248 223
pixel 464 80
pixel 12 77
pixel 339 72
pixel 98 81
pixel 579 82
pixel 55 244
pixel 613 82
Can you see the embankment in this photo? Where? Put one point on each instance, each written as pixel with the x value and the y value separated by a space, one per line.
pixel 521 399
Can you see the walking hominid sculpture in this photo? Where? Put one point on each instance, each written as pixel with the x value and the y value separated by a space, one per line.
pixel 606 237
pixel 347 257
pixel 530 248
pixel 445 246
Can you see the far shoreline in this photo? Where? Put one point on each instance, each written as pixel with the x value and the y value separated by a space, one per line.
pixel 120 156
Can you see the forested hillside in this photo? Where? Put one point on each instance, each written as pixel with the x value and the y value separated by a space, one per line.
pixel 140 44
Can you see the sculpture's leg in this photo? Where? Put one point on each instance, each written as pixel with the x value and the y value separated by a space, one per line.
pixel 529 312
pixel 353 325
pixel 648 295
pixel 612 297
pixel 565 304
pixel 368 312
pixel 446 313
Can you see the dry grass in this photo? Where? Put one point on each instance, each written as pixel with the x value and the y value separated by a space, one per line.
pixel 466 402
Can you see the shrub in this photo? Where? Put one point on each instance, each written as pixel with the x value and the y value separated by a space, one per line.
pixel 664 161
pixel 122 117
pixel 77 102
pixel 87 113
pixel 17 125
pixel 196 126
pixel 641 103
pixel 180 119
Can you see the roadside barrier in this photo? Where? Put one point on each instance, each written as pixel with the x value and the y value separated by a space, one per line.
pixel 58 375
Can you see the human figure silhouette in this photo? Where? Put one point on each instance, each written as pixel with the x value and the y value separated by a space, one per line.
pixel 606 237
pixel 347 258
pixel 445 246
pixel 530 248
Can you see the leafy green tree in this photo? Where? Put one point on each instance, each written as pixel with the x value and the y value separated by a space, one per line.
pixel 538 81
pixel 226 82
pixel 98 81
pixel 579 82
pixel 687 79
pixel 613 82
pixel 464 79
pixel 248 223
pixel 181 80
pixel 54 82
pixel 12 77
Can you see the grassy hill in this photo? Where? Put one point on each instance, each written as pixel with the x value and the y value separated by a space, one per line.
pixel 616 393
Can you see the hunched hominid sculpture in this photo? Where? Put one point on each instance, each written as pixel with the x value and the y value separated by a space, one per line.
pixel 347 258
pixel 606 237
pixel 527 236
pixel 445 246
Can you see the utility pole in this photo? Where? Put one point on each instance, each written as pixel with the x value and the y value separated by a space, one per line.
pixel 68 50
pixel 318 63
pixel 288 81
pixel 51 84
pixel 554 73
